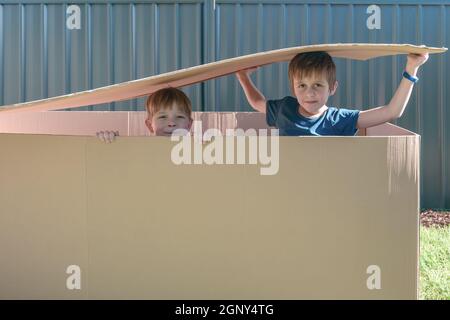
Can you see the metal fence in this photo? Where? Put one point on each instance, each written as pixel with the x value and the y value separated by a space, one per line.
pixel 49 48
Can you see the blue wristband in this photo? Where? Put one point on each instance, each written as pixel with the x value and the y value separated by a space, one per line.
pixel 410 77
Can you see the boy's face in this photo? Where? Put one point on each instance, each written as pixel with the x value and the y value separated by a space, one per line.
pixel 312 93
pixel 167 120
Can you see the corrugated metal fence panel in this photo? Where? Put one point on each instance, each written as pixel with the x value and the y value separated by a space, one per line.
pixel 250 26
pixel 118 41
pixel 121 40
pixel 444 117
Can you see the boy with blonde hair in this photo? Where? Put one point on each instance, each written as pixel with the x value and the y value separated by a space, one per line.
pixel 168 109
pixel 312 77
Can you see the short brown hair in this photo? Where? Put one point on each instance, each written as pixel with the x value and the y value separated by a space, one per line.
pixel 307 63
pixel 166 98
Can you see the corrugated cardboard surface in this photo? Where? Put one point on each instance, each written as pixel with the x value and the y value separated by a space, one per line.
pixel 43 215
pixel 132 123
pixel 179 78
pixel 140 226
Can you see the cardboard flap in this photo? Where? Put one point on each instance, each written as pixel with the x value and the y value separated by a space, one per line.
pixel 141 87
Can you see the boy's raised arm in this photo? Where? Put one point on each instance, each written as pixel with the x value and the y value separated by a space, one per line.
pixel 395 108
pixel 254 97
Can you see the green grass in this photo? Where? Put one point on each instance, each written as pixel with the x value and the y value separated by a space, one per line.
pixel 434 263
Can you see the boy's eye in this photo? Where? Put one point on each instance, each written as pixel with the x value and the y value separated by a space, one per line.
pixel 318 85
pixel 180 117
pixel 162 117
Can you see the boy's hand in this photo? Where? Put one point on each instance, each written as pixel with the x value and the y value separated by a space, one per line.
pixel 107 136
pixel 244 74
pixel 414 61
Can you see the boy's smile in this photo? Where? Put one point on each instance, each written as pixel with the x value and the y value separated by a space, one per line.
pixel 167 120
pixel 312 93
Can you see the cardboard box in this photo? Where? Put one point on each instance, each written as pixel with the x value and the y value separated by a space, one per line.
pixel 339 216
pixel 196 74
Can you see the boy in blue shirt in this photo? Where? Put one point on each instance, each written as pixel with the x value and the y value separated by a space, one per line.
pixel 312 77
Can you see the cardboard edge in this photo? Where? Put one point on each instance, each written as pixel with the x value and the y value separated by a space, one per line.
pixel 130 123
pixel 140 87
pixel 388 129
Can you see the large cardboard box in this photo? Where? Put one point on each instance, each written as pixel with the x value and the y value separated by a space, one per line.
pixel 338 218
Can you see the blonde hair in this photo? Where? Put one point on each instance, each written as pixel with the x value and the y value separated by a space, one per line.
pixel 166 98
pixel 307 63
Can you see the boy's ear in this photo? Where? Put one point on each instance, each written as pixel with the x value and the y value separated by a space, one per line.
pixel 333 90
pixel 190 124
pixel 148 123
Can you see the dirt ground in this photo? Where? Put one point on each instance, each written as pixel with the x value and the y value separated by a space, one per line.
pixel 434 218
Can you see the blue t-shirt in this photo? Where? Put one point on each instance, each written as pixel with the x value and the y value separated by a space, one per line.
pixel 283 114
